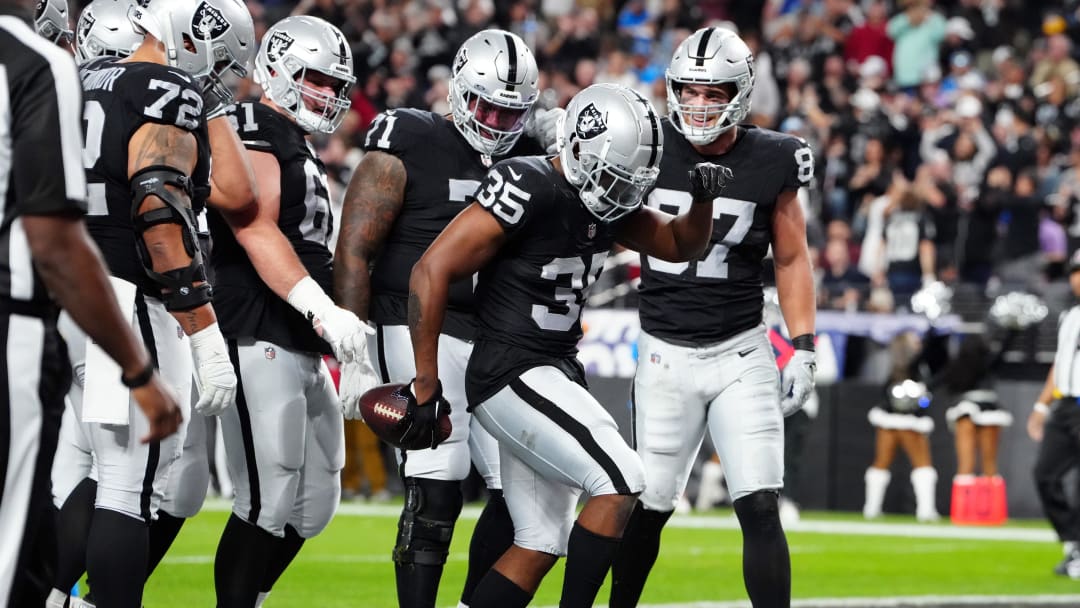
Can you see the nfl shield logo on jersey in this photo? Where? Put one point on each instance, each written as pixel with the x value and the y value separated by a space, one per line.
pixel 591 231
pixel 179 333
pixel 654 358
pixel 270 353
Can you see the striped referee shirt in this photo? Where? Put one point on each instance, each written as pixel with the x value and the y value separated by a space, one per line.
pixel 41 171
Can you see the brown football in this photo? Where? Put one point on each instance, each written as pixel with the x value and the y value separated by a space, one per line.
pixel 385 406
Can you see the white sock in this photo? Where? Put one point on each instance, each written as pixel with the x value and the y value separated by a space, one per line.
pixel 877 480
pixel 924 483
pixel 261 598
pixel 56 599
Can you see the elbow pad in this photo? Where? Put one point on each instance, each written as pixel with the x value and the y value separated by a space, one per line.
pixel 179 291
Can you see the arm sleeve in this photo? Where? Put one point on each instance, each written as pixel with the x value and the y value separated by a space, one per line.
pixel 47 170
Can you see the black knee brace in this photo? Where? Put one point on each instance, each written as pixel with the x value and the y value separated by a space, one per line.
pixel 427 521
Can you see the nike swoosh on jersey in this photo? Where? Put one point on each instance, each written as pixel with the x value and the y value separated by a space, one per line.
pixel 743 353
pixel 514 174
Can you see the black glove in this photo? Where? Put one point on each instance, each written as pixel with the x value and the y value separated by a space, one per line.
pixel 708 180
pixel 427 424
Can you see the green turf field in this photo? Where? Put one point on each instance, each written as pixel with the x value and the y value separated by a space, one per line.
pixel 348 565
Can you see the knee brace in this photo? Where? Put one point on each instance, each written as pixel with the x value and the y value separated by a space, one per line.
pixel 178 289
pixel 427 521
pixel 758 512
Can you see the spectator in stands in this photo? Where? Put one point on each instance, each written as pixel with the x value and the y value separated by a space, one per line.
pixel 909 245
pixel 917 32
pixel 933 183
pixel 1058 63
pixel 843 287
pixel 871 38
pixel 1022 262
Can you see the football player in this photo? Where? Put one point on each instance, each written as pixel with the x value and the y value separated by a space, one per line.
pixel 147 160
pixel 538 231
pixel 415 177
pixel 706 362
pixel 285 439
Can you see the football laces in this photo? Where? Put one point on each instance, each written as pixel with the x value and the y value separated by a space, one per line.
pixel 388 412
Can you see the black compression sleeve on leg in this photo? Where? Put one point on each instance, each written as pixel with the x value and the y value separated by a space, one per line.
pixel 636 556
pixel 766 563
pixel 285 550
pixel 493 535
pixel 116 558
pixel 241 562
pixel 162 534
pixel 72 531
pixel 423 542
pixel 588 559
pixel 497 591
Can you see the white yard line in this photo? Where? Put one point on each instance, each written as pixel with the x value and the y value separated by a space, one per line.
pixel 856 528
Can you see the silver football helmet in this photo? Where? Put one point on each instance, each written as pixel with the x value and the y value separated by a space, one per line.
pixel 611 143
pixel 104 29
pixel 221 32
pixel 493 86
pixel 51 21
pixel 291 49
pixel 710 56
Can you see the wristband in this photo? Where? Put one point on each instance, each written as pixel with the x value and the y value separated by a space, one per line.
pixel 803 342
pixel 1041 407
pixel 141 379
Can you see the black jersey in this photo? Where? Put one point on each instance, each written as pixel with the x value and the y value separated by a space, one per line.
pixel 119 98
pixel 529 297
pixel 247 307
pixel 904 231
pixel 443 171
pixel 720 295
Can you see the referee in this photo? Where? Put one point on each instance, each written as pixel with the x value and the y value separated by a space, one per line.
pixel 47 259
pixel 1057 427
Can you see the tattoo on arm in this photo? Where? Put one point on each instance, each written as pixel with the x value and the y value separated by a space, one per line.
pixel 372 203
pixel 189 321
pixel 415 317
pixel 165 145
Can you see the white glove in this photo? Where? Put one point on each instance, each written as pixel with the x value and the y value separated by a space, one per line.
pixel 797 381
pixel 357 378
pixel 343 331
pixel 542 126
pixel 217 380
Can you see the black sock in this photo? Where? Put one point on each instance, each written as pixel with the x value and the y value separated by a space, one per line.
pixel 493 535
pixel 588 559
pixel 636 555
pixel 162 534
pixel 766 563
pixel 497 591
pixel 241 562
pixel 116 557
pixel 73 528
pixel 285 550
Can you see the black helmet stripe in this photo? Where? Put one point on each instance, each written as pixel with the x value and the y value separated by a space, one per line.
pixel 512 76
pixel 655 127
pixel 703 46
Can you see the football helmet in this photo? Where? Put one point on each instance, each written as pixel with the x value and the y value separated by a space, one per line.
pixel 221 32
pixel 710 56
pixel 611 144
pixel 290 49
pixel 104 29
pixel 51 21
pixel 493 86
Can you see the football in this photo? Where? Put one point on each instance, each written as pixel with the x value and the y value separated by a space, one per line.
pixel 385 406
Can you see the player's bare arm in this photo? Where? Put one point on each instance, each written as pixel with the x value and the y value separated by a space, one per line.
pixel 673 238
pixel 232 182
pixel 794 276
pixel 467 244
pixel 256 227
pixel 1036 421
pixel 373 201
pixel 163 145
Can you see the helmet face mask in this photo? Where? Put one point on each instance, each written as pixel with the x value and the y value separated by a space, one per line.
pixel 51 21
pixel 310 81
pixel 493 86
pixel 104 30
pixel 713 57
pixel 611 148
